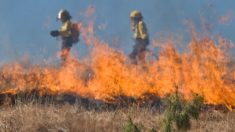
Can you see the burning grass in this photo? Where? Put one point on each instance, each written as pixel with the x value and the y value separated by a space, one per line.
pixel 101 94
pixel 206 69
pixel 105 87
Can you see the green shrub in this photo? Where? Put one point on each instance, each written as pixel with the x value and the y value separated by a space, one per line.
pixel 193 107
pixel 179 112
pixel 182 120
pixel 167 124
pixel 129 126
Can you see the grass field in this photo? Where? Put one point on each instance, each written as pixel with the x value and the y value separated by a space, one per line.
pixel 51 117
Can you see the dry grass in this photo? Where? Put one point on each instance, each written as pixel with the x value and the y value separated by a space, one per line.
pixel 74 118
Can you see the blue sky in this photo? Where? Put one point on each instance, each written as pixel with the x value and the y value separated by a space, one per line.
pixel 25 25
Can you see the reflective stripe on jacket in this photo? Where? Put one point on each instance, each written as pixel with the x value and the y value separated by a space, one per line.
pixel 140 31
pixel 66 29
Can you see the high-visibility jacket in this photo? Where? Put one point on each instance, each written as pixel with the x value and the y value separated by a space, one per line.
pixel 140 31
pixel 66 29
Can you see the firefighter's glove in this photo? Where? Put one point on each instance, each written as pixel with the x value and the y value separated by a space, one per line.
pixel 55 33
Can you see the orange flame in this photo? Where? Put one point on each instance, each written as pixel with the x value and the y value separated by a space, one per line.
pixel 204 69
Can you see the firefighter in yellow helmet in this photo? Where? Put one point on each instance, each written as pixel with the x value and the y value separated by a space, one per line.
pixel 140 36
pixel 65 32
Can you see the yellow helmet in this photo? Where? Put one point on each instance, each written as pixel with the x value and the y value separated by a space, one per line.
pixel 63 14
pixel 136 14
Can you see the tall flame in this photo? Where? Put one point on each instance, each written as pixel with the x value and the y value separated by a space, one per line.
pixel 205 68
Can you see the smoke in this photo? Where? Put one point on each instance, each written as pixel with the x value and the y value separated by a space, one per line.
pixel 7 51
pixel 171 20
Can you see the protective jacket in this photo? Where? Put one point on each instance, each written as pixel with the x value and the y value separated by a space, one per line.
pixel 140 31
pixel 66 29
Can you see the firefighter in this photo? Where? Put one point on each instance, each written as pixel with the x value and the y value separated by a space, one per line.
pixel 65 33
pixel 140 36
